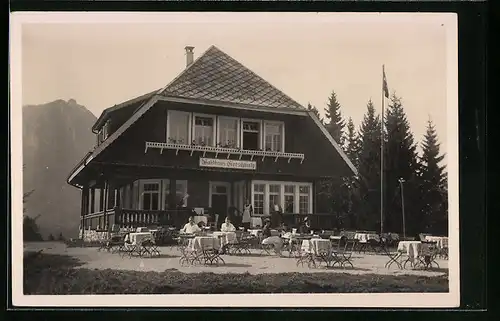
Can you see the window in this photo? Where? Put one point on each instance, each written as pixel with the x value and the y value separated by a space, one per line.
pixel 204 130
pixel 178 127
pixel 228 132
pixel 289 199
pixel 290 196
pixel 150 196
pixel 258 198
pixel 274 197
pixel 304 200
pixel 181 194
pixel 273 137
pixel 251 135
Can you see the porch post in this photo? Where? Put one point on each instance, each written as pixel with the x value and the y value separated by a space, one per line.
pixel 84 210
pixel 92 200
pixel 105 203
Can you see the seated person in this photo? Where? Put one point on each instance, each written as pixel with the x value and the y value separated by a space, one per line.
pixel 305 227
pixel 227 226
pixel 271 240
pixel 190 227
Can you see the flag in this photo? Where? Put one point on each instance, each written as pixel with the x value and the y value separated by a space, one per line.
pixel 384 84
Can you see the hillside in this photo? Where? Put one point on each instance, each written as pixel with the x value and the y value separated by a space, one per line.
pixel 56 136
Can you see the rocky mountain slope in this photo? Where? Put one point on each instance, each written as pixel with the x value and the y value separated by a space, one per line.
pixel 56 136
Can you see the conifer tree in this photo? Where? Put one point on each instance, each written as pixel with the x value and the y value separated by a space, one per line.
pixel 352 145
pixel 400 163
pixel 336 124
pixel 433 182
pixel 369 170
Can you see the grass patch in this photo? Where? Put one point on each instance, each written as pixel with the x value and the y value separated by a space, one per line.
pixel 58 274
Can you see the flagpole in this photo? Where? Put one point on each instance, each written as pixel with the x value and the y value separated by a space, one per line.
pixel 382 159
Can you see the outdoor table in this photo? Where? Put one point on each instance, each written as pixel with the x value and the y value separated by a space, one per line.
pixel 139 237
pixel 256 222
pixel 316 248
pixel 365 237
pixel 418 253
pixel 255 232
pixel 441 241
pixel 225 237
pixel 208 247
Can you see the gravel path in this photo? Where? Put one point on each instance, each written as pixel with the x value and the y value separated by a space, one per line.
pixel 254 264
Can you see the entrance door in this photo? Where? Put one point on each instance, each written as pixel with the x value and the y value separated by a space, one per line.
pixel 219 200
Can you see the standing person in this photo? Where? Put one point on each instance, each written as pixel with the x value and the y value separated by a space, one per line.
pixel 247 215
pixel 275 215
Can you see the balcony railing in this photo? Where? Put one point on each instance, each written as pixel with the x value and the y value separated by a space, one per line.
pixel 224 151
pixel 130 218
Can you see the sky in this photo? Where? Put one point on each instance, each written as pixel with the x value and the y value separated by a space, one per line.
pixel 102 60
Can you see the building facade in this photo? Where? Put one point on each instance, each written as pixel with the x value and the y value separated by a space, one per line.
pixel 217 137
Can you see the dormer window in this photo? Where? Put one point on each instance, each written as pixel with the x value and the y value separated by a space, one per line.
pixel 103 133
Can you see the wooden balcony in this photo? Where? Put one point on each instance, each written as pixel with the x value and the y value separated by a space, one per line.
pixel 216 151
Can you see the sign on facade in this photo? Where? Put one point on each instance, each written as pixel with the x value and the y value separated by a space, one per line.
pixel 227 163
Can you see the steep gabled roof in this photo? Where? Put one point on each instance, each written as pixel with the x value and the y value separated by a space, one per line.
pixel 216 76
pixel 105 114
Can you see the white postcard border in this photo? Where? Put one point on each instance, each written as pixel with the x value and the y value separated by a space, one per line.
pixel 389 300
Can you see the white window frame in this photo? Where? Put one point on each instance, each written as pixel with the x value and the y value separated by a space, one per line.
pixel 266 192
pixel 302 194
pixel 280 123
pixel 282 198
pixel 261 131
pixel 238 129
pixel 142 182
pixel 214 129
pixel 189 124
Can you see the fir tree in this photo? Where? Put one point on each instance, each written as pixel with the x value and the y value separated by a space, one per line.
pixel 335 123
pixel 400 163
pixel 315 111
pixel 433 181
pixel 352 145
pixel 369 170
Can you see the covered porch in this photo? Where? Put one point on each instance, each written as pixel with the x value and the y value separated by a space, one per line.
pixel 129 196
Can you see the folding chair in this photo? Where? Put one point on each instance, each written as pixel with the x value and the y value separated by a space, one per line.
pixel 345 254
pixel 150 247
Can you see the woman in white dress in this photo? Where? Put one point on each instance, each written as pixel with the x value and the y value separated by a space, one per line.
pixel 247 215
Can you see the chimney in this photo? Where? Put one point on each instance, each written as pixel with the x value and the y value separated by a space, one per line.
pixel 189 55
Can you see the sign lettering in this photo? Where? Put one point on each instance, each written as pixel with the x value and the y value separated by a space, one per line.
pixel 227 163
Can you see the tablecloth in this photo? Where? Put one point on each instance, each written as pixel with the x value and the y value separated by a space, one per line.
pixel 139 237
pixel 200 243
pixel 256 222
pixel 441 241
pixel 316 246
pixel 225 237
pixel 364 237
pixel 410 248
pixel 255 232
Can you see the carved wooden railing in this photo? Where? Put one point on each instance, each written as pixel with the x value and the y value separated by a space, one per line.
pixel 224 151
pixel 129 218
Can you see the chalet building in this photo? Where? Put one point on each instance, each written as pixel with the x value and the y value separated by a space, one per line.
pixel 216 137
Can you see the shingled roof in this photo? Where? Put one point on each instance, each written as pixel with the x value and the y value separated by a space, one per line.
pixel 216 76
